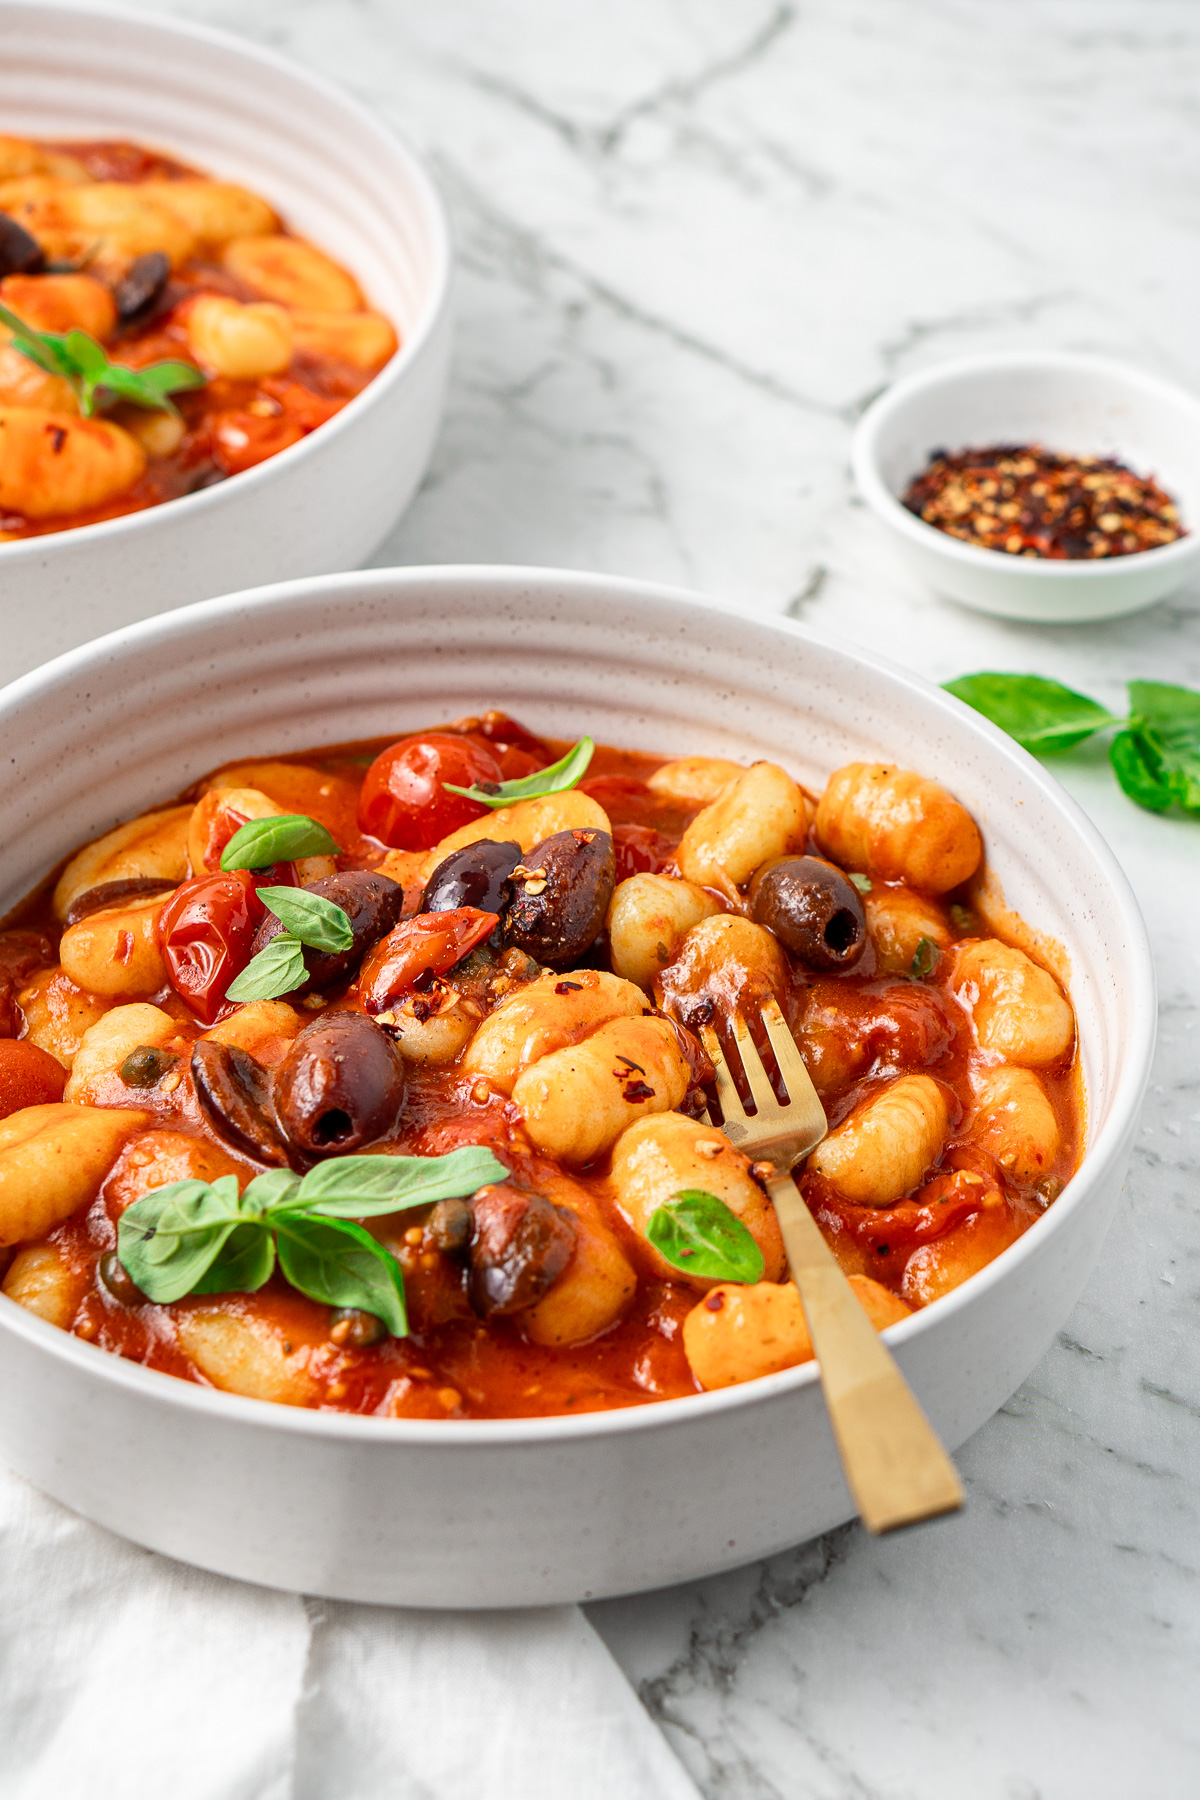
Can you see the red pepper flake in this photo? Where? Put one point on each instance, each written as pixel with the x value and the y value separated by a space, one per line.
pixel 1026 501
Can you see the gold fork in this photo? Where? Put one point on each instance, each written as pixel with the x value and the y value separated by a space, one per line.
pixel 895 1465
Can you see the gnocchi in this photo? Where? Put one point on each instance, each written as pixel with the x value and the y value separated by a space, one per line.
pixel 897 825
pixel 1018 1009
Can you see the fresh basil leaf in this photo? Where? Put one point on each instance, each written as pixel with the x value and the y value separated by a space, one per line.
pixel 367 1187
pixel 1139 769
pixel 79 359
pixel 1043 716
pixel 86 354
pixel 698 1233
pixel 170 1238
pixel 560 776
pixel 277 1187
pixel 315 921
pixel 277 969
pixel 861 882
pixel 925 960
pixel 1167 718
pixel 340 1264
pixel 243 1263
pixel 260 842
pixel 150 387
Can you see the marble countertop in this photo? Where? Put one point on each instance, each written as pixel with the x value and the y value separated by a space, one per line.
pixel 695 238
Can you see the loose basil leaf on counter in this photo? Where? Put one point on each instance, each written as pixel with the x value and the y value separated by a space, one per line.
pixel 367 1187
pixel 565 773
pixel 317 922
pixel 170 1238
pixel 78 359
pixel 340 1264
pixel 1166 721
pixel 1042 715
pixel 698 1233
pixel 277 969
pixel 260 842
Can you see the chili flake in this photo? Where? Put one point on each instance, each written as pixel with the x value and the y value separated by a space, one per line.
pixel 1027 501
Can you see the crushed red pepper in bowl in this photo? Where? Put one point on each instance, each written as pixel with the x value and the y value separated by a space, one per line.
pixel 1027 501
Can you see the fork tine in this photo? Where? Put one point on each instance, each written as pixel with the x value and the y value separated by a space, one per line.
pixel 757 1079
pixel 796 1077
pixel 728 1097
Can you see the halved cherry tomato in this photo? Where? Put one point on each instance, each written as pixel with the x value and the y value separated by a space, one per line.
pixel 205 933
pixel 640 850
pixel 28 1076
pixel 240 439
pixel 404 802
pixel 418 949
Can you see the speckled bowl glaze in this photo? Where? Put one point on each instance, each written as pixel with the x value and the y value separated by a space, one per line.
pixel 338 176
pixel 520 1512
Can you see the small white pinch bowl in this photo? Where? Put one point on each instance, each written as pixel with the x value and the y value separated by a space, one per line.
pixel 529 1511
pixel 1067 402
pixel 338 176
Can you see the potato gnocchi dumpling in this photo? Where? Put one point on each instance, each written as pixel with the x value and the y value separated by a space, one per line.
pixel 161 265
pixel 422 962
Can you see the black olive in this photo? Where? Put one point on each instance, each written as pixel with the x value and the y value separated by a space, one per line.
pixel 119 1282
pixel 560 897
pixel 450 1225
pixel 812 909
pixel 146 1066
pixel 371 902
pixel 353 1329
pixel 477 875
pixel 20 254
pixel 141 285
pixel 235 1092
pixel 116 893
pixel 522 1244
pixel 340 1085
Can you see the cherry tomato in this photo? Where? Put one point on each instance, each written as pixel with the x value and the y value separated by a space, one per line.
pixel 28 1076
pixel 515 763
pixel 205 933
pixel 242 439
pixel 419 948
pixel 640 850
pixel 403 801
pixel 504 733
pixel 624 798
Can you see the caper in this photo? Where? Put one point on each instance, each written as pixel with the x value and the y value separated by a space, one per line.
pixel 119 1281
pixel 146 1066
pixel 449 1226
pixel 353 1329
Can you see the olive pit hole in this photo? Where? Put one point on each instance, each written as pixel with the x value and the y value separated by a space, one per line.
pixel 333 1127
pixel 841 933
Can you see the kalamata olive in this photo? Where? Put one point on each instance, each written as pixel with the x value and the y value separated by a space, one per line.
pixel 450 1225
pixel 812 909
pixel 371 902
pixel 116 893
pixel 20 254
pixel 119 1282
pixel 560 896
pixel 146 1066
pixel 522 1244
pixel 340 1085
pixel 477 875
pixel 141 285
pixel 353 1329
pixel 234 1090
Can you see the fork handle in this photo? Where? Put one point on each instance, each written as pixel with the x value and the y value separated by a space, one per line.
pixel 894 1463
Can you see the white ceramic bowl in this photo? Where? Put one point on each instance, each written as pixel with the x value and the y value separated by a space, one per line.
pixel 525 1511
pixel 1081 405
pixel 339 177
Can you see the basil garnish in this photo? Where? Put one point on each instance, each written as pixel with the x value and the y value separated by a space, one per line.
pixel 279 968
pixel 1155 755
pixel 196 1237
pixel 565 773
pixel 285 837
pixel 84 363
pixel 925 960
pixel 317 922
pixel 861 882
pixel 699 1234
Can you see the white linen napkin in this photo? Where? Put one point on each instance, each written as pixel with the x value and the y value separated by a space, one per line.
pixel 126 1676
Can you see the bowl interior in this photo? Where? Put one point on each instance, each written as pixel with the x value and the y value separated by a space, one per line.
pixel 127 722
pixel 334 173
pixel 1078 406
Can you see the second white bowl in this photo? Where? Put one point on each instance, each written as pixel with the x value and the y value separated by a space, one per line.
pixel 1080 405
pixel 338 176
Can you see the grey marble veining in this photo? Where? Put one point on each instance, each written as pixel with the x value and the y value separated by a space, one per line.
pixel 696 236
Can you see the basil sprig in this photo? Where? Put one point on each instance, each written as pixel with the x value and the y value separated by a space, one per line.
pixel 284 838
pixel 199 1237
pixel 84 363
pixel 696 1232
pixel 1155 755
pixel 307 920
pixel 565 773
